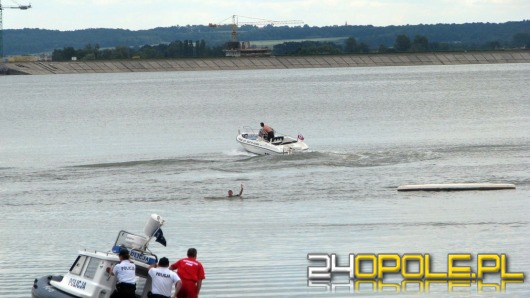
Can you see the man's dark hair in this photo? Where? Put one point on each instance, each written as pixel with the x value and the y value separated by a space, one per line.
pixel 261 124
pixel 192 253
pixel 124 253
pixel 164 262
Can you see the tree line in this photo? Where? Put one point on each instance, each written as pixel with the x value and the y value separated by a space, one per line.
pixel 468 35
pixel 175 49
pixel 190 49
pixel 402 44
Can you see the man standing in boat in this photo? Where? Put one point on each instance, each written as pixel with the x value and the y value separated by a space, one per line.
pixel 268 130
pixel 163 280
pixel 125 273
pixel 191 274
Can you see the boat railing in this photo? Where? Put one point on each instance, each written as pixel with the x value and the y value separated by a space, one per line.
pixel 256 131
pixel 136 245
pixel 132 241
pixel 249 130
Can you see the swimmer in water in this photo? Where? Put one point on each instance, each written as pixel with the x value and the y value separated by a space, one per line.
pixel 231 193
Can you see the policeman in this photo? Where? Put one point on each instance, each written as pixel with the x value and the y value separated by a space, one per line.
pixel 125 273
pixel 163 280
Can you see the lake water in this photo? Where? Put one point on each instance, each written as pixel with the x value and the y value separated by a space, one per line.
pixel 84 156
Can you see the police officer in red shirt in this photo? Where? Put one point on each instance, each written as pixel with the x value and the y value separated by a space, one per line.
pixel 191 274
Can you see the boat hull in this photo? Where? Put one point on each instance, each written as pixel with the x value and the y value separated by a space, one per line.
pixel 262 147
pixel 42 288
pixel 89 274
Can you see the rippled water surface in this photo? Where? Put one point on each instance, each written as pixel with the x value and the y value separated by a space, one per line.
pixel 84 156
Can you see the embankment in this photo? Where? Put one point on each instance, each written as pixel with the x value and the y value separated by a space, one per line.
pixel 232 63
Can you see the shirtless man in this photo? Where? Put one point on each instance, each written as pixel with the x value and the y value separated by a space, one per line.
pixel 268 130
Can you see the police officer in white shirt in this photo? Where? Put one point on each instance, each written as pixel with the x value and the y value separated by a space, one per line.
pixel 163 279
pixel 125 273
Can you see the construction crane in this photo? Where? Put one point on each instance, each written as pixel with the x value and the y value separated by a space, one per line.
pixel 235 23
pixel 22 7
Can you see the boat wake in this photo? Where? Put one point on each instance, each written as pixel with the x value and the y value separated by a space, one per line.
pixel 227 161
pixel 340 159
pixel 153 163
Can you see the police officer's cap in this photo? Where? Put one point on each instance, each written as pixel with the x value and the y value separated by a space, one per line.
pixel 164 262
pixel 123 252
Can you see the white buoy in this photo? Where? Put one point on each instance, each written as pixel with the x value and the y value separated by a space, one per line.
pixel 455 186
pixel 153 224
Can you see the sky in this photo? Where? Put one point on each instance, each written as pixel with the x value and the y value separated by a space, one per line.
pixel 68 15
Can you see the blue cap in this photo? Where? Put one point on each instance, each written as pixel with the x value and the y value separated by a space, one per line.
pixel 124 252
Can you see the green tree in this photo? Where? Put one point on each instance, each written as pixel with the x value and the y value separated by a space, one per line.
pixel 307 48
pixel 363 48
pixel 57 55
pixel 420 44
pixel 383 49
pixel 173 50
pixel 90 50
pixel 402 43
pixel 121 52
pixel 202 48
pixel 65 54
pixel 149 52
pixel 350 45
pixel 89 56
pixel 105 54
pixel 187 48
pixel 521 40
pixel 493 45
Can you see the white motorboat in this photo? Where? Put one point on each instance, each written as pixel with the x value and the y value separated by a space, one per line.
pixel 87 276
pixel 253 141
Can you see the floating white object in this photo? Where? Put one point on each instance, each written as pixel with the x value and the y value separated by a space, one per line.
pixel 456 186
pixel 153 224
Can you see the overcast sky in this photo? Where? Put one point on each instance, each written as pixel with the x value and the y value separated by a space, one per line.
pixel 147 14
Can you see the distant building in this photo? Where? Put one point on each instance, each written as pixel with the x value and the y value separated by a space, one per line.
pixel 243 48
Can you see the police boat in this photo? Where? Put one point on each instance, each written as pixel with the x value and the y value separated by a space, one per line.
pixel 87 276
pixel 254 141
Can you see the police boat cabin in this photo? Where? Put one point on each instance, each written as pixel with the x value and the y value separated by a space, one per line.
pixel 88 276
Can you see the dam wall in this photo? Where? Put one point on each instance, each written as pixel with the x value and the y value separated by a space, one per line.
pixel 283 62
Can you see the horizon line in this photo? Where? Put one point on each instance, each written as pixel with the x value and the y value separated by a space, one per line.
pixel 304 25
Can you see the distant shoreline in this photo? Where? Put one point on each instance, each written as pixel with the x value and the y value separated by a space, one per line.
pixel 282 62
